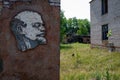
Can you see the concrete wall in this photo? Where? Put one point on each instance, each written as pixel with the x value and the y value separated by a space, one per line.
pixel 112 18
pixel 39 63
pixel 95 11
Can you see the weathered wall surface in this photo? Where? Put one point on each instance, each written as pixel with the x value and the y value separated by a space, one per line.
pixel 112 18
pixel 39 63
pixel 95 12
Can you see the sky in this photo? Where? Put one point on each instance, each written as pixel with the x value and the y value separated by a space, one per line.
pixel 76 8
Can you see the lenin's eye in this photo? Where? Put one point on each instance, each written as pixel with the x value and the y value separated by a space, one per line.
pixel 24 24
pixel 37 24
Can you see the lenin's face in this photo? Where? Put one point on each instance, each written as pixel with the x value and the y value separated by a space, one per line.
pixel 29 30
pixel 32 26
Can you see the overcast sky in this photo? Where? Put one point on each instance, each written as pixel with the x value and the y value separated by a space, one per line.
pixel 76 8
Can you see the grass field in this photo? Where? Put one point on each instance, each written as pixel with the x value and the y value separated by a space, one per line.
pixel 80 62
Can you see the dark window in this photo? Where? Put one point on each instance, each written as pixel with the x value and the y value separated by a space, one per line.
pixel 104 6
pixel 104 32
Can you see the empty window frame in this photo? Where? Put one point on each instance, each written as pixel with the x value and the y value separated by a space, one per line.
pixel 104 32
pixel 104 6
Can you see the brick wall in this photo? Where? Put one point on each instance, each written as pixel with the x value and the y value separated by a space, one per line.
pixel 40 63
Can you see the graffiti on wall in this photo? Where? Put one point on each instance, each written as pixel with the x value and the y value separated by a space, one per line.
pixel 29 30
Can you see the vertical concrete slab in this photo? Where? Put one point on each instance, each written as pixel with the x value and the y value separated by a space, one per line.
pixel 40 60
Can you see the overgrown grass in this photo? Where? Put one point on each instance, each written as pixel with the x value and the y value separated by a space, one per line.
pixel 80 62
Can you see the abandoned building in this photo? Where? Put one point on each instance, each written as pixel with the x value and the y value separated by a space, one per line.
pixel 105 17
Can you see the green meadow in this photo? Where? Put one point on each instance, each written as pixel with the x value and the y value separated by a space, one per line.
pixel 80 62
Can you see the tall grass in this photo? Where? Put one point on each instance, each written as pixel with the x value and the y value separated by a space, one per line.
pixel 80 62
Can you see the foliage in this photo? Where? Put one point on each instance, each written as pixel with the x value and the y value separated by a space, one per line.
pixel 107 74
pixel 63 25
pixel 84 27
pixel 73 26
pixel 109 33
pixel 80 62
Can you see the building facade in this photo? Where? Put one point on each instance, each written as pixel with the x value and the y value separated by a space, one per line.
pixel 105 17
pixel 29 39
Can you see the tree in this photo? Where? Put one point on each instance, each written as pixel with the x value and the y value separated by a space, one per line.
pixel 63 25
pixel 84 27
pixel 73 26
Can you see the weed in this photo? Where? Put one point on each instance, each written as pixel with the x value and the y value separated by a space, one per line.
pixel 77 61
pixel 107 74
